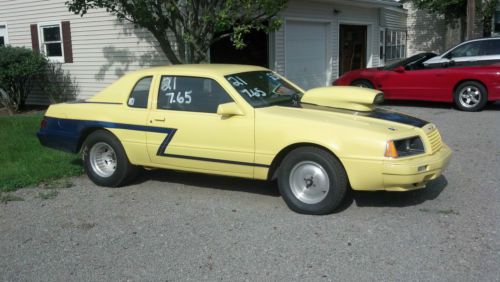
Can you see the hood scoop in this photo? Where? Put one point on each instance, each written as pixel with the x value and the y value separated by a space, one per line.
pixel 344 97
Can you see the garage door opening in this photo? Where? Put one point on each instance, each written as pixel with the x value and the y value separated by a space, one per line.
pixel 255 53
pixel 352 47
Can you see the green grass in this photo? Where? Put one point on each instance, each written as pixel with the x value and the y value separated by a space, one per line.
pixel 23 161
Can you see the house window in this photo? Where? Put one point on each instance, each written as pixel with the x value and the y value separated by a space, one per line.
pixel 395 44
pixel 3 35
pixel 497 22
pixel 54 40
pixel 382 46
pixel 51 41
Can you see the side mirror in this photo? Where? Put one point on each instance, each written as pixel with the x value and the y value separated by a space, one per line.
pixel 399 69
pixel 448 63
pixel 229 109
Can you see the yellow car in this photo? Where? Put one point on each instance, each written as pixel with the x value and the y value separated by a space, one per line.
pixel 250 122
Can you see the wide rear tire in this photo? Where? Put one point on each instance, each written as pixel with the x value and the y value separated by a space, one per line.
pixel 105 160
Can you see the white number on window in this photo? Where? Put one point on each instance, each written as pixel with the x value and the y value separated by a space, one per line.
pixel 181 98
pixel 256 92
pixel 236 81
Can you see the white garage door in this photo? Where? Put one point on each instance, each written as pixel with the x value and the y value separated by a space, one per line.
pixel 305 53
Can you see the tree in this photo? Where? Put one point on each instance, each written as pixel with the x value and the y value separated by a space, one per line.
pixel 185 29
pixel 489 7
pixel 456 11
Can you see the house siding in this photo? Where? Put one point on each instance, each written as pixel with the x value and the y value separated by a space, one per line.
pixel 103 48
pixel 393 19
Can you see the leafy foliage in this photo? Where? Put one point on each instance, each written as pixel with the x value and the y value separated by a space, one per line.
pixel 454 10
pixel 185 29
pixel 19 67
pixel 57 84
pixel 451 9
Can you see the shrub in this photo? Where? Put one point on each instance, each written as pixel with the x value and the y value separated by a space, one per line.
pixel 19 67
pixel 57 84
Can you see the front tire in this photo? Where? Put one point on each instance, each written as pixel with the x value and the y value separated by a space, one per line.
pixel 312 181
pixel 363 83
pixel 470 96
pixel 105 161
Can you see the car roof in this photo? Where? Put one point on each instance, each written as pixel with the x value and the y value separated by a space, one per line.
pixel 481 39
pixel 202 69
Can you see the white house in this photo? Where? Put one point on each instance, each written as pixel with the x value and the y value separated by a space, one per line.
pixel 319 40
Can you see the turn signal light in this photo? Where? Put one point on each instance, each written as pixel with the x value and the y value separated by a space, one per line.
pixel 390 150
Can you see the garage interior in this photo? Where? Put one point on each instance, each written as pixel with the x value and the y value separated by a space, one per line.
pixel 352 51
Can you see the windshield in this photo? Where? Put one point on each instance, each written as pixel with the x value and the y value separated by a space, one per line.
pixel 411 61
pixel 264 88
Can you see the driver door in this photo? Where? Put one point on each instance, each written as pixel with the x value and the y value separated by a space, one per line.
pixel 423 84
pixel 192 136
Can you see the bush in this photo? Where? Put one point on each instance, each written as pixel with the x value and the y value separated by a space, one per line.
pixel 19 67
pixel 57 84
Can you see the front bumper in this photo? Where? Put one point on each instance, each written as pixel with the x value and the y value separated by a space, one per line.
pixel 406 175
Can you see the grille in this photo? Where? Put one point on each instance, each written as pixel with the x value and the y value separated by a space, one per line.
pixel 435 141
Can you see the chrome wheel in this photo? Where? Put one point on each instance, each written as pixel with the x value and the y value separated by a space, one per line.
pixel 102 158
pixel 309 182
pixel 469 96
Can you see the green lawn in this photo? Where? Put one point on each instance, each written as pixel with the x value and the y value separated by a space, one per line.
pixel 23 161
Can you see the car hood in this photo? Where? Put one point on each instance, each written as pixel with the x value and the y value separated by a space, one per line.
pixel 376 121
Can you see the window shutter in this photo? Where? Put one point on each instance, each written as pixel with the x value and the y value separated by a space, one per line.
pixel 34 38
pixel 67 45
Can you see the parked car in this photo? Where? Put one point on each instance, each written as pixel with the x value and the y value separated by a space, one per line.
pixel 470 53
pixel 249 122
pixel 470 88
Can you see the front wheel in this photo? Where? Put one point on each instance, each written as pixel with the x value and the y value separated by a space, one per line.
pixel 312 181
pixel 470 96
pixel 105 160
pixel 363 84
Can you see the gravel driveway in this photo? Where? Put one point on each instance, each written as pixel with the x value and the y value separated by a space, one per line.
pixel 180 226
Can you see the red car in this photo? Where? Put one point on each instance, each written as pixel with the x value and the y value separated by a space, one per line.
pixel 470 88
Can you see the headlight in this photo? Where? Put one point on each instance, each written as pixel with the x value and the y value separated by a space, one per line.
pixel 404 147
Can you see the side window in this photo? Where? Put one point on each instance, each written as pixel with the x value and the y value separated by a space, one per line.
pixel 191 94
pixel 139 96
pixel 467 50
pixel 490 47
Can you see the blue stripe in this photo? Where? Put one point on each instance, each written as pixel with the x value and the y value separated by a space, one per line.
pixel 64 134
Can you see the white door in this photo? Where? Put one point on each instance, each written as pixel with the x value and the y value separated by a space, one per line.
pixel 305 53
pixel 3 35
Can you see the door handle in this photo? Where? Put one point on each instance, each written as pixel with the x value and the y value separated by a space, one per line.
pixel 159 119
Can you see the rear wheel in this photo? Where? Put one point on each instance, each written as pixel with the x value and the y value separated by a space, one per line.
pixel 470 96
pixel 105 161
pixel 363 83
pixel 312 181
